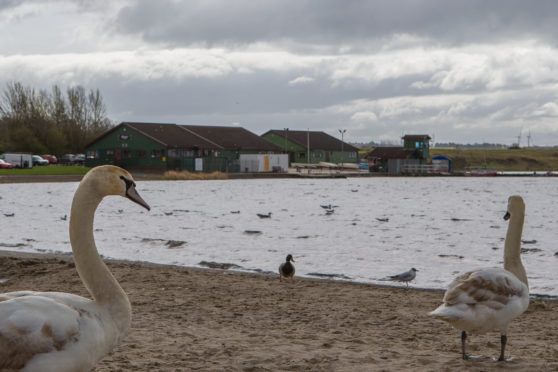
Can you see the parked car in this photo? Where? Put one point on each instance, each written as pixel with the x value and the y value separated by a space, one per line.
pixel 51 158
pixel 5 165
pixel 79 159
pixel 67 159
pixel 37 160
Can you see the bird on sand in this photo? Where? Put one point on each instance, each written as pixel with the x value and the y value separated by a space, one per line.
pixel 63 332
pixel 287 269
pixel 489 299
pixel 405 277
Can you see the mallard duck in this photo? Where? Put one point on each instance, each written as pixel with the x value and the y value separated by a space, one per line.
pixel 287 269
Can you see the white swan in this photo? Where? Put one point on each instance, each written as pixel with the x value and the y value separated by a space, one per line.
pixel 53 331
pixel 489 299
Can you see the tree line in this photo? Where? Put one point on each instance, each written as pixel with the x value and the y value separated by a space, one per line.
pixel 50 122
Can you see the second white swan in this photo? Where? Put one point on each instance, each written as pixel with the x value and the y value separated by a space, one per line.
pixel 489 299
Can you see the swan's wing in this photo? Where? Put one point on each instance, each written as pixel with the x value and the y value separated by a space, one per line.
pixel 32 323
pixel 493 288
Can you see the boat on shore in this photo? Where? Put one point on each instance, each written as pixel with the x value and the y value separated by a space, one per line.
pixel 481 172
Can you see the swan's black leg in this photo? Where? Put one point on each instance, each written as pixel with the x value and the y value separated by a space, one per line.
pixel 463 340
pixel 503 341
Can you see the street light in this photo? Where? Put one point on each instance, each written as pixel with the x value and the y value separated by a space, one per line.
pixel 286 131
pixel 342 131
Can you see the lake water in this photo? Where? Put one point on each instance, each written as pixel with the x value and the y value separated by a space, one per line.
pixel 380 226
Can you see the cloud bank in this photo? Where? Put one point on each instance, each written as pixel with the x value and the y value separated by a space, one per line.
pixel 464 72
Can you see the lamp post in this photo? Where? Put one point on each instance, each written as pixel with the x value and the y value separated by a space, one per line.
pixel 342 131
pixel 286 131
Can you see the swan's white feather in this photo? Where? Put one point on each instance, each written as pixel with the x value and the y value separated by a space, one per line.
pixel 483 300
pixel 41 330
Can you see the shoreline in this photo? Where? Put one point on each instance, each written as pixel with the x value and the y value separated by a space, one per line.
pixel 216 320
pixel 10 179
pixel 261 274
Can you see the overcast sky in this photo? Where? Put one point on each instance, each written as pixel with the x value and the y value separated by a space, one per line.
pixel 461 71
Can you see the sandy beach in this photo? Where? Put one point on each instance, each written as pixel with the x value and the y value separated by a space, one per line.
pixel 217 320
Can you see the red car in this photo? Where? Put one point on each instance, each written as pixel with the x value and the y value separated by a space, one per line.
pixel 51 158
pixel 6 165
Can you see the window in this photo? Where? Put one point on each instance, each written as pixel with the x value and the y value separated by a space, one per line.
pixel 174 153
pixel 157 153
pixel 317 154
pixel 141 154
pixel 301 154
pixel 110 152
pixel 352 155
pixel 126 154
pixel 92 155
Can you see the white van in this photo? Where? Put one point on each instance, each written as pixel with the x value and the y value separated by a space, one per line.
pixel 20 160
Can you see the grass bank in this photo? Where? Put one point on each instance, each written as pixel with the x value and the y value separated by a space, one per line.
pixel 501 159
pixel 50 170
pixel 185 175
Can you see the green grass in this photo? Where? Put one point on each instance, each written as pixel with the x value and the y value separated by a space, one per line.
pixel 185 175
pixel 46 170
pixel 528 159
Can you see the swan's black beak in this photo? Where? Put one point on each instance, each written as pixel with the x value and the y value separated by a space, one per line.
pixel 132 194
pixel 507 216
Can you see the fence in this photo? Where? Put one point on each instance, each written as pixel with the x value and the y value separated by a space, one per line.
pixel 414 166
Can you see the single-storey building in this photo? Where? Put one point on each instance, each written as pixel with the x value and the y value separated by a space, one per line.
pixel 162 146
pixel 321 147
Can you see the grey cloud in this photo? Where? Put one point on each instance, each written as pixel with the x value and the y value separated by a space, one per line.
pixel 340 23
pixel 7 4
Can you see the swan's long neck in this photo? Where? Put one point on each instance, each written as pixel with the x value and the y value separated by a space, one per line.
pixel 512 247
pixel 99 281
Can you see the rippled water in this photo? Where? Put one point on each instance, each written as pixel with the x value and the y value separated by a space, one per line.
pixel 379 227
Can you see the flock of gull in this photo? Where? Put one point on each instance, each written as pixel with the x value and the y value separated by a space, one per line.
pixel 57 332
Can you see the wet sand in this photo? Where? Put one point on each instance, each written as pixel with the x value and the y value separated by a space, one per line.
pixel 217 320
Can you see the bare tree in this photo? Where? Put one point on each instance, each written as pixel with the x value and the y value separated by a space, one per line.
pixel 43 121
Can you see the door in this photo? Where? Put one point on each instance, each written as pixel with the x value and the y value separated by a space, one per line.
pixel 118 156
